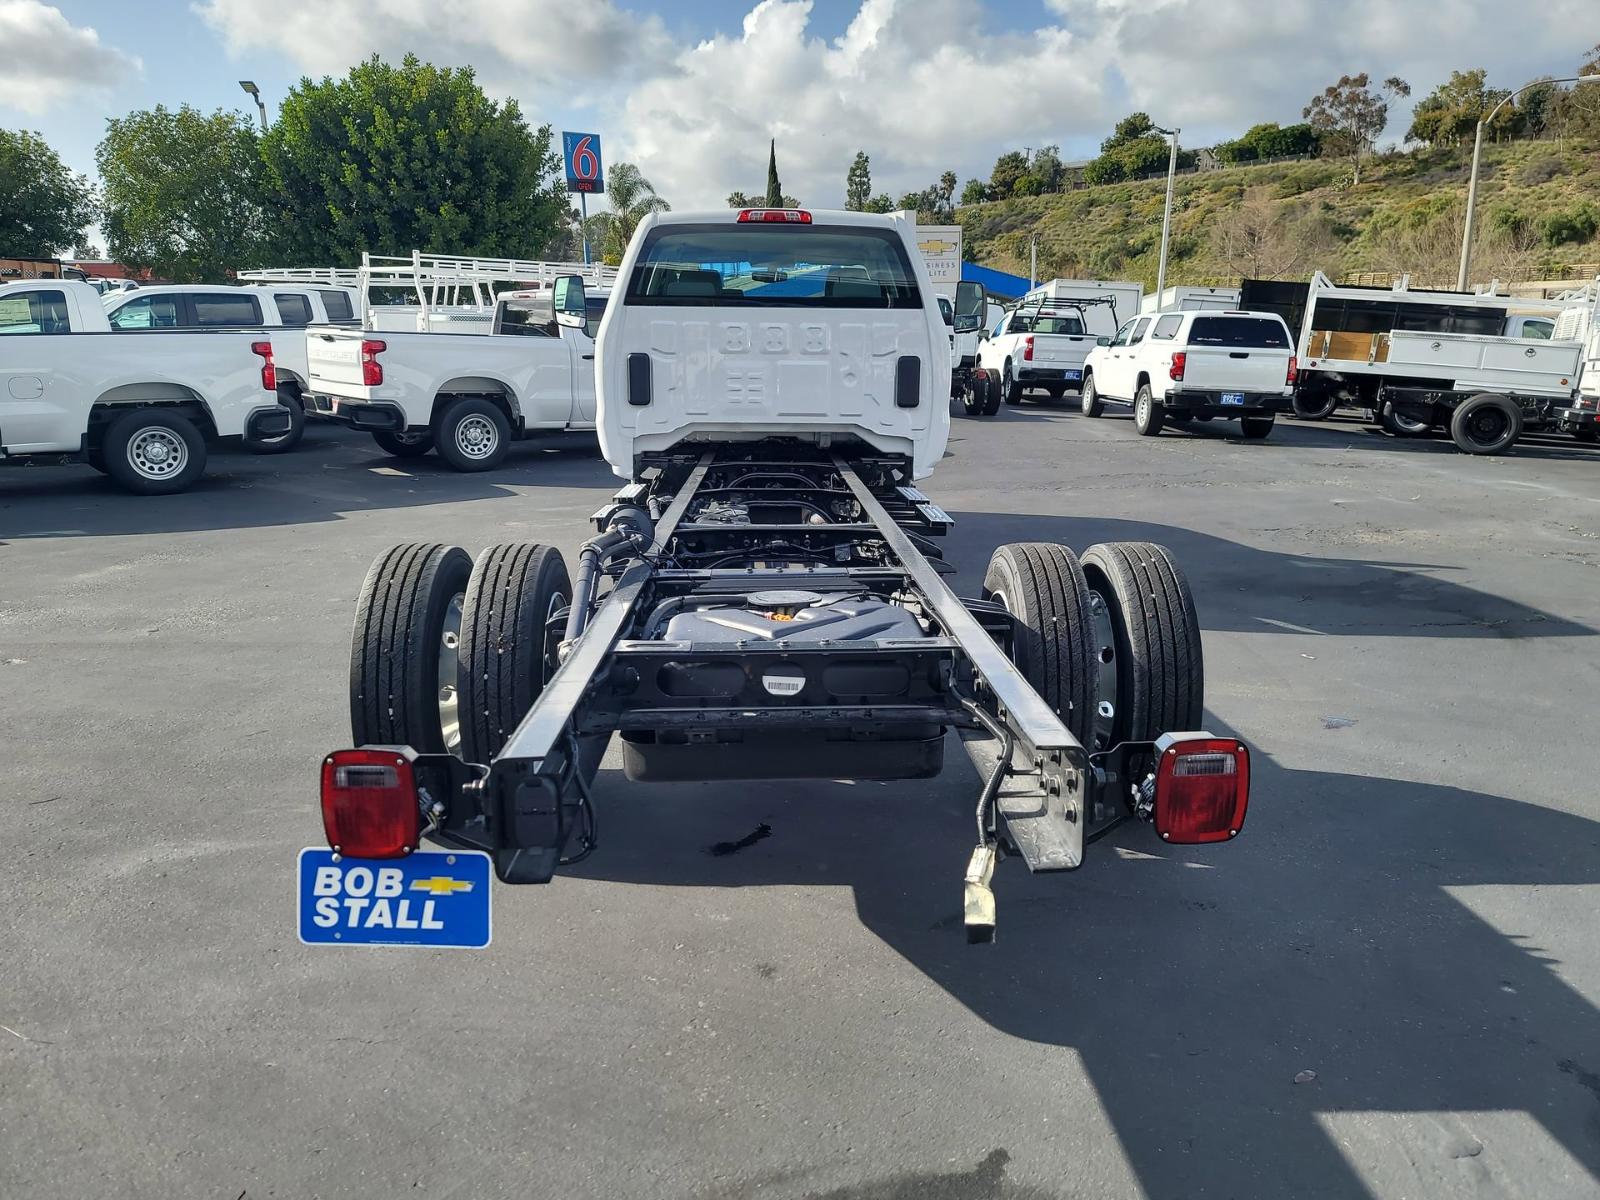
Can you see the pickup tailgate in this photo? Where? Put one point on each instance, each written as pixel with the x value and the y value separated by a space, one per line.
pixel 1214 369
pixel 1056 351
pixel 333 362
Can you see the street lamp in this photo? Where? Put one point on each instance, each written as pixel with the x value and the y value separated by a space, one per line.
pixel 1472 179
pixel 1166 213
pixel 254 92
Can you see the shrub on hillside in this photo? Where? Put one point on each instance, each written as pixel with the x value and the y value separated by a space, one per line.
pixel 1541 170
pixel 1300 180
pixel 1576 224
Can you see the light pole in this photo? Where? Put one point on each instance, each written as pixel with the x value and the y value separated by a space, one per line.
pixel 1166 213
pixel 254 92
pixel 1472 179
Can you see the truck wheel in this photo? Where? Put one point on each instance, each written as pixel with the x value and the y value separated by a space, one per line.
pixel 472 434
pixel 1486 424
pixel 403 676
pixel 404 445
pixel 991 393
pixel 1151 672
pixel 1089 402
pixel 1586 434
pixel 153 451
pixel 1256 428
pixel 1010 388
pixel 507 646
pixel 289 398
pixel 973 395
pixel 1042 586
pixel 1314 406
pixel 1397 424
pixel 1148 417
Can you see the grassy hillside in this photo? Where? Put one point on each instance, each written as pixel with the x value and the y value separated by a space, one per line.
pixel 1538 212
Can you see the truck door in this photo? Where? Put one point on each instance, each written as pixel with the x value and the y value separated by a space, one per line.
pixel 37 381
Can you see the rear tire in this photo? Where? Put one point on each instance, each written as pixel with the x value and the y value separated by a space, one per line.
pixel 1089 402
pixel 1043 587
pixel 507 653
pixel 1256 428
pixel 1486 424
pixel 403 673
pixel 404 445
pixel 1587 434
pixel 153 451
pixel 1314 406
pixel 472 434
pixel 1010 388
pixel 289 398
pixel 1148 417
pixel 991 393
pixel 1144 618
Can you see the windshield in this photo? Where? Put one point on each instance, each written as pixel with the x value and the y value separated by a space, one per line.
pixel 816 266
pixel 1254 332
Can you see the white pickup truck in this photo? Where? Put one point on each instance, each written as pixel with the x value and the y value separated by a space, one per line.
pixel 466 395
pixel 140 407
pixel 1041 343
pixel 1185 366
pixel 285 308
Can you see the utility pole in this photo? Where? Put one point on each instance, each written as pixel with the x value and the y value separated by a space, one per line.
pixel 1033 262
pixel 1166 213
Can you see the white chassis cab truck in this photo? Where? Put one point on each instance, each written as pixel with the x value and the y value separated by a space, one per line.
pixel 141 407
pixel 1421 360
pixel 1195 366
pixel 765 597
pixel 283 308
pixel 467 392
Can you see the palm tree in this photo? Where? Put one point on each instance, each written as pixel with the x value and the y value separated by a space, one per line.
pixel 632 198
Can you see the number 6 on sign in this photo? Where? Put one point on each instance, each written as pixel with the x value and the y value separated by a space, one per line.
pixel 580 152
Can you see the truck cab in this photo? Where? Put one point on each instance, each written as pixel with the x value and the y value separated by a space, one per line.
pixel 818 326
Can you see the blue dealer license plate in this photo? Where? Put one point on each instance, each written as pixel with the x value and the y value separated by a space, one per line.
pixel 429 898
pixel 1072 374
pixel 1233 397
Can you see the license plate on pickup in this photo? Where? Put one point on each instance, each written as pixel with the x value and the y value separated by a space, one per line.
pixel 425 899
pixel 1072 373
pixel 1232 397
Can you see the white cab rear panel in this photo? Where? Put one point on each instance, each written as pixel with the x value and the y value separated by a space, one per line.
pixel 737 371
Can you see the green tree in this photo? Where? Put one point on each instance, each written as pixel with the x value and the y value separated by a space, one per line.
pixel 44 207
pixel 881 203
pixel 775 196
pixel 858 183
pixel 976 192
pixel 1350 114
pixel 1008 168
pixel 395 158
pixel 183 192
pixel 1451 112
pixel 632 198
pixel 1130 129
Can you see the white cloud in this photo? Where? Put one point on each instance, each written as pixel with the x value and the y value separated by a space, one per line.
pixel 48 59
pixel 537 50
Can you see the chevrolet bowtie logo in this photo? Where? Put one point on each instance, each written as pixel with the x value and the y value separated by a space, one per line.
pixel 441 885
pixel 936 247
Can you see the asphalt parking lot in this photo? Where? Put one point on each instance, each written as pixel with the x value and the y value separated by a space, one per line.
pixel 1386 988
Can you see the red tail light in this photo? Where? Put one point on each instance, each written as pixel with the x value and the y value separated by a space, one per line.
pixel 369 803
pixel 1027 348
pixel 1202 788
pixel 371 368
pixel 269 373
pixel 1294 369
pixel 1179 360
pixel 781 216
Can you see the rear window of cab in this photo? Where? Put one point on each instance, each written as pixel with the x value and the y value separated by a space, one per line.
pixel 776 266
pixel 1253 332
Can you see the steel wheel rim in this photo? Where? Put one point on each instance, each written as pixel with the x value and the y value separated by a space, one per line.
pixel 1487 425
pixel 1407 424
pixel 1141 410
pixel 1105 679
pixel 157 452
pixel 477 437
pixel 552 636
pixel 449 662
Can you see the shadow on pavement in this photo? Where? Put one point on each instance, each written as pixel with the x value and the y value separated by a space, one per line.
pixel 1197 983
pixel 332 472
pixel 1243 589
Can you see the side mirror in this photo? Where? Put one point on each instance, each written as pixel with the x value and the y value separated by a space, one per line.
pixel 569 302
pixel 966 324
pixel 1102 341
pixel 971 301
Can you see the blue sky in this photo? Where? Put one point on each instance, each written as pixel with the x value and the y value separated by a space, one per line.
pixel 691 91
